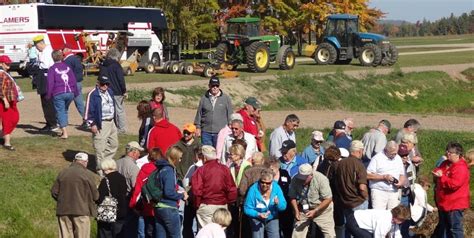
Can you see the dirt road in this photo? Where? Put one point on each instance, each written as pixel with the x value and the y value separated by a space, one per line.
pixel 31 113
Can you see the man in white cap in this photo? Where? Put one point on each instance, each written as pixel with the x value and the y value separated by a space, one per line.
pixel 238 132
pixel 314 152
pixel 311 200
pixel 75 192
pixel 212 185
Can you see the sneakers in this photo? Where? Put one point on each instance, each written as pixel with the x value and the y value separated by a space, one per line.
pixel 50 129
pixel 84 126
pixel 9 147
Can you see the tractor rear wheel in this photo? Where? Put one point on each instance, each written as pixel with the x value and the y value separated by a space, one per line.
pixel 221 54
pixel 286 58
pixel 325 54
pixel 391 56
pixel 258 57
pixel 370 55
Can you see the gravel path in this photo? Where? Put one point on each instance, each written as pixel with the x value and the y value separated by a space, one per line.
pixel 31 114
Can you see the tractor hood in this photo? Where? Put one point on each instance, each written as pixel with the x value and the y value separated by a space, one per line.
pixel 371 36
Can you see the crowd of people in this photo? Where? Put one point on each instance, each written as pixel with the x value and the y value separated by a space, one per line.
pixel 213 178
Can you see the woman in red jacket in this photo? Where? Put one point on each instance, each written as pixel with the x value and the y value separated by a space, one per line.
pixel 146 209
pixel 9 115
pixel 452 192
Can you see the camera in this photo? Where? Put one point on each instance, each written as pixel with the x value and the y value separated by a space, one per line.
pixel 394 181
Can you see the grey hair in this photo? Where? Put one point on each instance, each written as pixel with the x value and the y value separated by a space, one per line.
pixel 267 174
pixel 241 123
pixel 108 164
pixel 114 54
pixel 57 56
pixel 391 146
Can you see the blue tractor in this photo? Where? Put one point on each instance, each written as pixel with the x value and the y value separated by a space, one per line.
pixel 342 42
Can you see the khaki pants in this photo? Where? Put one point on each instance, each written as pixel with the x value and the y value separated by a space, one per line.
pixel 384 200
pixel 105 142
pixel 325 222
pixel 205 212
pixel 74 226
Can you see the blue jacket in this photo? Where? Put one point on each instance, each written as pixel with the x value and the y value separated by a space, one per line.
pixel 254 203
pixel 168 183
pixel 293 167
pixel 76 66
pixel 94 107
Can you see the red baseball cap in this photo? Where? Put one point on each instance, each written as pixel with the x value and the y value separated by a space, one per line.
pixel 5 59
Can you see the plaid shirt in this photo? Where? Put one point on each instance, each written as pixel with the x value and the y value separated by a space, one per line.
pixel 9 90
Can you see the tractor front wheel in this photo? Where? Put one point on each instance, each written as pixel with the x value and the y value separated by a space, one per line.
pixel 325 54
pixel 370 55
pixel 286 58
pixel 258 57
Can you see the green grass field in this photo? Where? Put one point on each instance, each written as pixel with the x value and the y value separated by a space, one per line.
pixel 423 92
pixel 27 175
pixel 450 39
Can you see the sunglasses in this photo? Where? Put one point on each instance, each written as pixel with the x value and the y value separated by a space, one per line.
pixel 214 86
pixel 186 133
pixel 265 183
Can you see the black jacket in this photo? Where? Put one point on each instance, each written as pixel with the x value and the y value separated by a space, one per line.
pixel 114 72
pixel 118 189
pixel 76 66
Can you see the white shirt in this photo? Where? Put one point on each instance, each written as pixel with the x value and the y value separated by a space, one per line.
pixel 276 140
pixel 108 109
pixel 45 58
pixel 211 230
pixel 251 147
pixel 377 222
pixel 420 203
pixel 381 164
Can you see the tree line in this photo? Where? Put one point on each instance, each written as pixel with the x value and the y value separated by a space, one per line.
pixel 452 25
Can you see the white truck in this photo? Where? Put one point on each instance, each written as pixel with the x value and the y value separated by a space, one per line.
pixel 65 24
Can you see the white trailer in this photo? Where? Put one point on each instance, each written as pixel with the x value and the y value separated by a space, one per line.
pixel 62 24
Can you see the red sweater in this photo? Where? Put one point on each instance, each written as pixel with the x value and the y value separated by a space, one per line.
pixel 142 176
pixel 163 135
pixel 250 125
pixel 452 189
pixel 213 184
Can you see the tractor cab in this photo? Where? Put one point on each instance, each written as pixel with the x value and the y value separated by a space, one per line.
pixel 243 27
pixel 342 27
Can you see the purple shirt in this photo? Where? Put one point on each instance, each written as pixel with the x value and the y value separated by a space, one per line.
pixel 61 80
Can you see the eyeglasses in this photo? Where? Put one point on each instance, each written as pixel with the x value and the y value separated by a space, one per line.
pixel 451 152
pixel 265 183
pixel 213 86
pixel 317 142
pixel 235 128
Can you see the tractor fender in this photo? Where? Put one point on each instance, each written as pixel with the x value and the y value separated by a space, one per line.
pixel 333 40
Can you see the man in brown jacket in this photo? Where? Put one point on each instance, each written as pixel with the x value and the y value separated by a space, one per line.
pixel 75 192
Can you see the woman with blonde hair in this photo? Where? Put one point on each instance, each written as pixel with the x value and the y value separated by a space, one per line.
pixel 238 164
pixel 221 219
pixel 166 210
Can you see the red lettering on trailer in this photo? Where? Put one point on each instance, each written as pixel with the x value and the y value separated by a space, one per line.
pixel 15 20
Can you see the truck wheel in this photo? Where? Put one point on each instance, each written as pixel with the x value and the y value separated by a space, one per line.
pixel 325 54
pixel 181 67
pixel 370 55
pixel 155 59
pixel 286 58
pixel 258 57
pixel 174 67
pixel 222 52
pixel 391 56
pixel 150 68
pixel 208 71
pixel 166 66
pixel 188 68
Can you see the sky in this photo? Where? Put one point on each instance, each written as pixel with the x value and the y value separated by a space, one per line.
pixel 414 10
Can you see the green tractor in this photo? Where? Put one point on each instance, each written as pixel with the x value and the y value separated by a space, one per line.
pixel 243 44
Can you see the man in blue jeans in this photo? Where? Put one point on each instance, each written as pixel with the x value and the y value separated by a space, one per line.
pixel 213 113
